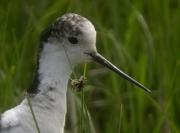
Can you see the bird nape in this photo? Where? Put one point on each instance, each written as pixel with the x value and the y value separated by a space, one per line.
pixel 70 40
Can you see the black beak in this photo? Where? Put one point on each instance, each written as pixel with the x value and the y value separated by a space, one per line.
pixel 101 60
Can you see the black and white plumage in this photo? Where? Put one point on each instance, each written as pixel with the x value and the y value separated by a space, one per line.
pixel 70 40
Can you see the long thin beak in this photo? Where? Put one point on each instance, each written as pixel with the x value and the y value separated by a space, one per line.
pixel 101 60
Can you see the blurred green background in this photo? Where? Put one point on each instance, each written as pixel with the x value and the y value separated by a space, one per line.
pixel 142 37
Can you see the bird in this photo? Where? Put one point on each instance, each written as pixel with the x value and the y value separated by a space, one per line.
pixel 67 42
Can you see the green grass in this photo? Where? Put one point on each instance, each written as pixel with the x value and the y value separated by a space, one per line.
pixel 140 37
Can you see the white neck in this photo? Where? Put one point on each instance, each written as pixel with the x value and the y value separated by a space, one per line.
pixel 54 71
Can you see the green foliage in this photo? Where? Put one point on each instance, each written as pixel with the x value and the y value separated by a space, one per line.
pixel 141 37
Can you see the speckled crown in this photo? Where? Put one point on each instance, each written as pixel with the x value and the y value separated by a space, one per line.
pixel 67 25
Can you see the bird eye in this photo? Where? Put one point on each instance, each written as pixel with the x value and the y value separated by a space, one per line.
pixel 73 40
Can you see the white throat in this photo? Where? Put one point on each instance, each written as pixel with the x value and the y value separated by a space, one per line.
pixel 54 72
pixel 54 68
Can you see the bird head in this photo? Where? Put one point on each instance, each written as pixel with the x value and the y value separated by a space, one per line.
pixel 76 37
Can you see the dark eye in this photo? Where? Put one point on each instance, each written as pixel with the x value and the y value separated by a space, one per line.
pixel 73 40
